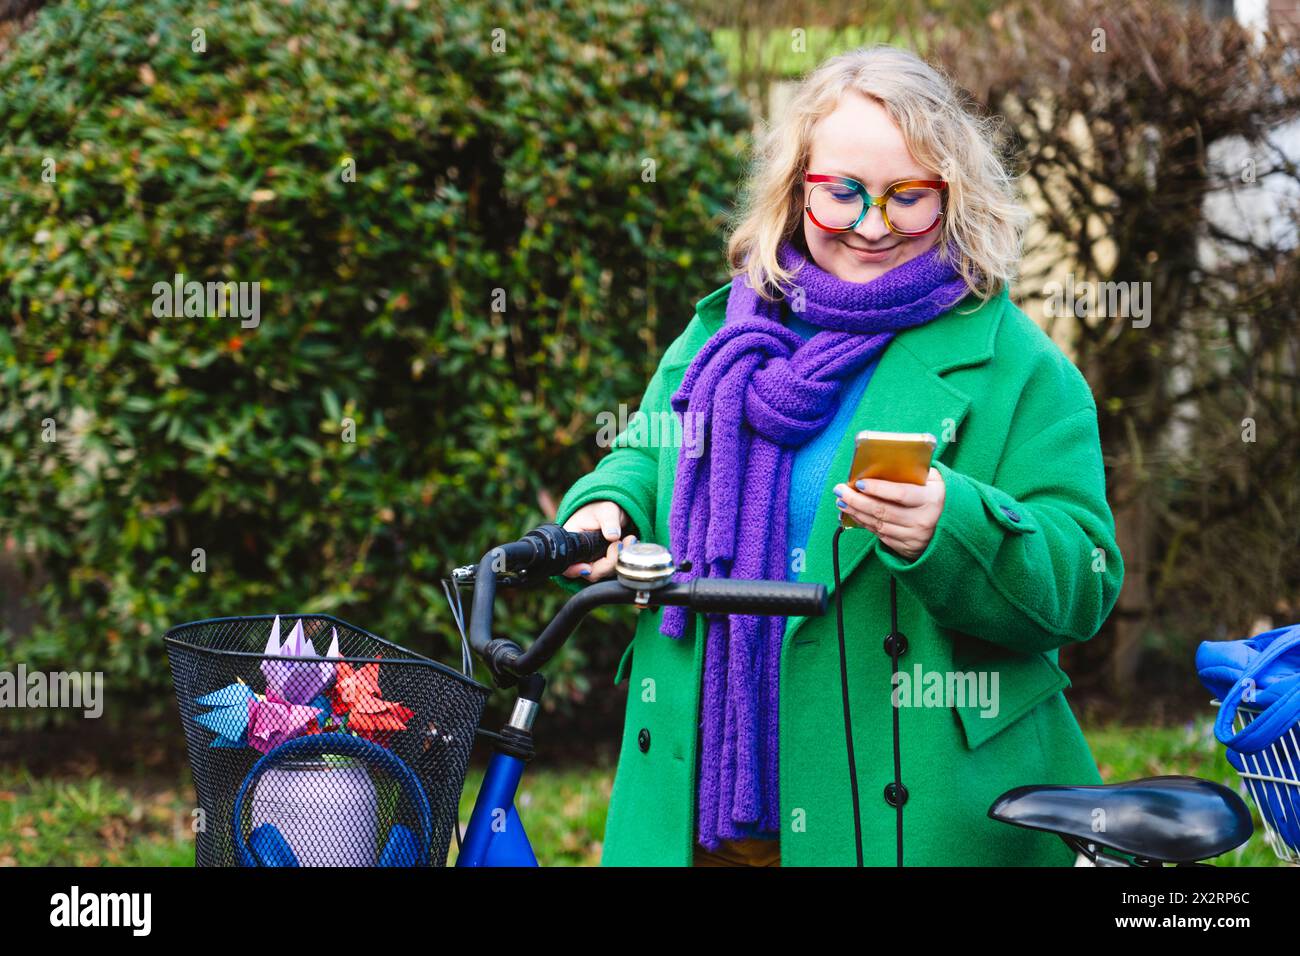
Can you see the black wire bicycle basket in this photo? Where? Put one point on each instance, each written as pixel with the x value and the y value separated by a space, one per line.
pixel 314 742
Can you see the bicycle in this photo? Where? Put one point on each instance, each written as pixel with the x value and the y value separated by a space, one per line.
pixel 1150 822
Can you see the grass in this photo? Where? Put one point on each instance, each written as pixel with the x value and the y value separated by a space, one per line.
pixel 93 821
pixel 89 819
pixel 780 57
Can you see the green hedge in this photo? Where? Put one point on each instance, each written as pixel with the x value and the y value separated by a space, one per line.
pixel 475 170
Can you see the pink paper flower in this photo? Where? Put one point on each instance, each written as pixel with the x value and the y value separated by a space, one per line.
pixel 271 722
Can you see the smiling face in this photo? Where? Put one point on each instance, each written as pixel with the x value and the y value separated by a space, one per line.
pixel 860 141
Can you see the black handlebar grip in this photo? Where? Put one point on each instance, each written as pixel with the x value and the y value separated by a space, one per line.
pixel 776 598
pixel 588 546
pixel 548 549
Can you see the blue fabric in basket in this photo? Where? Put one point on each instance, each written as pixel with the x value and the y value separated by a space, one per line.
pixel 1263 674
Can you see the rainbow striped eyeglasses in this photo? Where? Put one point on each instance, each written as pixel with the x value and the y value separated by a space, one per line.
pixel 910 207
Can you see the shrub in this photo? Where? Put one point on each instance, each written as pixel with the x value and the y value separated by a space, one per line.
pixel 502 155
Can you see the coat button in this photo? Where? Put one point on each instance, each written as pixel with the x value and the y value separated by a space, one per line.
pixel 893 792
pixel 643 740
pixel 895 638
pixel 1013 515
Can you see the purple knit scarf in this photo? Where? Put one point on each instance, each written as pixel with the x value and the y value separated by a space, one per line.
pixel 761 391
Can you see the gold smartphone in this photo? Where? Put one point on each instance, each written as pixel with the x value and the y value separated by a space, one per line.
pixel 893 456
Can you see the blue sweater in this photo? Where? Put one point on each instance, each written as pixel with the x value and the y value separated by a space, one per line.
pixel 813 460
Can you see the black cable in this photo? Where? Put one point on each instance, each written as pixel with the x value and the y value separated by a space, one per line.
pixel 844 691
pixel 896 640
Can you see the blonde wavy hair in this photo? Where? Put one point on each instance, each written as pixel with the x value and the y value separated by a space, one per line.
pixel 983 223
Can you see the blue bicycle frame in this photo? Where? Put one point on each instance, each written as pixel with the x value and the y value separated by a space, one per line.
pixel 495 835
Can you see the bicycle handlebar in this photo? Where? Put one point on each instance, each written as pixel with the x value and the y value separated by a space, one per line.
pixel 549 549
pixel 775 598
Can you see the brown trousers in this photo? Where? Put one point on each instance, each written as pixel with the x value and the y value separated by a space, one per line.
pixel 740 853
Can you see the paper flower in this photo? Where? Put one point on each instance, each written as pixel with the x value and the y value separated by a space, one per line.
pixel 293 681
pixel 353 684
pixel 302 697
pixel 356 695
pixel 328 720
pixel 377 719
pixel 229 718
pixel 271 722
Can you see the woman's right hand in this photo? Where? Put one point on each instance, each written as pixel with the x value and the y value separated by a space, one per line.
pixel 605 516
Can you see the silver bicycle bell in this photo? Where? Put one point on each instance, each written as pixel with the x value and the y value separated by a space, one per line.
pixel 644 566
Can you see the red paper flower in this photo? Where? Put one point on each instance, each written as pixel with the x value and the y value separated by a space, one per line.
pixel 356 694
pixel 353 684
pixel 377 719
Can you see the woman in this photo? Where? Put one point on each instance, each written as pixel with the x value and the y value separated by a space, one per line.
pixel 871 265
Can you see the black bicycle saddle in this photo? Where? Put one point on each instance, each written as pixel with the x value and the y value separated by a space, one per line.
pixel 1170 819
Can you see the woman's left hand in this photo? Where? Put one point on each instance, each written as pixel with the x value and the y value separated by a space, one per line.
pixel 902 515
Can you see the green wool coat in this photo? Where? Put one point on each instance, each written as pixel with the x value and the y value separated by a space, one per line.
pixel 1023 561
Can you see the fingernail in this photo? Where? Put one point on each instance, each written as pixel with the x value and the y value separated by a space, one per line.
pixel 610 533
pixel 620 547
pixel 634 539
pixel 839 503
pixel 860 485
pixel 585 571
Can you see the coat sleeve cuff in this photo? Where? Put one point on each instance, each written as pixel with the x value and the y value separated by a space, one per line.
pixel 595 487
pixel 975 522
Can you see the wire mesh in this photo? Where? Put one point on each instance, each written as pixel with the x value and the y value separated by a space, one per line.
pixel 381 784
pixel 1272 778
